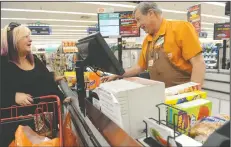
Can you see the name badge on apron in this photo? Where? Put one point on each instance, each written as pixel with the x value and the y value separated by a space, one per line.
pixel 150 62
pixel 159 42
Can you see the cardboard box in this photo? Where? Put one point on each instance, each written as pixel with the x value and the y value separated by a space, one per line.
pixel 186 97
pixel 182 88
pixel 196 110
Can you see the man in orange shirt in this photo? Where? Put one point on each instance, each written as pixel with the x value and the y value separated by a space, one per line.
pixel 171 51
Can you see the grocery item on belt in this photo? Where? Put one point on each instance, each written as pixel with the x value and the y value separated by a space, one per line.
pixel 185 97
pixel 206 126
pixel 71 78
pixel 195 110
pixel 182 88
pixel 160 132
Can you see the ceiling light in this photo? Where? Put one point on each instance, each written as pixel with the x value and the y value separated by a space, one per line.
pixel 47 11
pixel 173 11
pixel 57 30
pixel 164 10
pixel 64 26
pixel 41 39
pixel 213 16
pixel 56 35
pixel 109 4
pixel 207 23
pixel 70 26
pixel 216 3
pixel 207 28
pixel 60 33
pixel 40 19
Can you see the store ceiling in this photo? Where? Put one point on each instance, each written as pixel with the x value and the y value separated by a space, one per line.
pixel 69 20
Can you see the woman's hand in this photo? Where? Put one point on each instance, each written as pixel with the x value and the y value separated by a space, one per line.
pixel 67 100
pixel 23 99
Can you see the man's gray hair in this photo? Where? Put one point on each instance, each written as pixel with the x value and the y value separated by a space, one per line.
pixel 144 7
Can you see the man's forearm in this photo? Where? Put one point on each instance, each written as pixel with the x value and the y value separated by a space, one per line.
pixel 198 73
pixel 133 71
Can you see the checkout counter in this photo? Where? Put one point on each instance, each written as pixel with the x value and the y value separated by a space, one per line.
pixel 98 126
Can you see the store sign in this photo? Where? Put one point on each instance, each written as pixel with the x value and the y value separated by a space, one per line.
pixel 91 30
pixel 40 30
pixel 221 31
pixel 194 17
pixel 128 25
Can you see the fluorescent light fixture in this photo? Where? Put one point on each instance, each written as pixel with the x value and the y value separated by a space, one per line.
pixel 213 16
pixel 57 35
pixel 41 39
pixel 60 33
pixel 173 11
pixel 215 3
pixel 47 11
pixel 164 10
pixel 59 30
pixel 67 26
pixel 207 23
pixel 207 28
pixel 40 19
pixel 109 4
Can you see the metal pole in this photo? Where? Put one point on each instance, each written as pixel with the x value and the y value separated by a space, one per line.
pixel 81 91
pixel 120 51
pixel 224 55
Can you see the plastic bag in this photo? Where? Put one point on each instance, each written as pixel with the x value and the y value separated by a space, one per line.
pixel 206 126
pixel 25 136
pixel 12 144
pixel 69 137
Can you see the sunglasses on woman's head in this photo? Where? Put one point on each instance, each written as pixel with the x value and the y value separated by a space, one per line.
pixel 13 25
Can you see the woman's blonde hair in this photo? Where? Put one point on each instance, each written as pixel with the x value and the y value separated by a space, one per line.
pixel 12 52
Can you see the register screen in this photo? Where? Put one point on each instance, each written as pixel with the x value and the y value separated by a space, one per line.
pixel 109 24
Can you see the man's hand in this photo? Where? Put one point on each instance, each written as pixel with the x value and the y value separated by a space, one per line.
pixel 109 78
pixel 129 73
pixel 23 99
pixel 198 71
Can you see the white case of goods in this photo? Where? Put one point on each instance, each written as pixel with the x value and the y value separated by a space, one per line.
pixel 127 101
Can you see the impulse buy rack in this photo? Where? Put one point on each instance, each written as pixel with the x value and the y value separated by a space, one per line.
pixel 151 142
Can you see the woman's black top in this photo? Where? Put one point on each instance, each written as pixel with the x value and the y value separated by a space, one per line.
pixel 36 82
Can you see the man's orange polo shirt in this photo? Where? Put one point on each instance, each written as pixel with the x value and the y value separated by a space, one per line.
pixel 181 43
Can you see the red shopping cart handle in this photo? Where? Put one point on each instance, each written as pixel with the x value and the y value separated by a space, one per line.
pixel 37 100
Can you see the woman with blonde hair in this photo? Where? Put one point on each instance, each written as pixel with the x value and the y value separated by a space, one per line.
pixel 23 75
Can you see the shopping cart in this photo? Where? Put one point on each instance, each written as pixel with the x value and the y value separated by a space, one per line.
pixel 42 105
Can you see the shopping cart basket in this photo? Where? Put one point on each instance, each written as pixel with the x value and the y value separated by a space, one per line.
pixel 41 106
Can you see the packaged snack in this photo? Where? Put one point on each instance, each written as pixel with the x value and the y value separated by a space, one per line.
pixel 206 126
pixel 181 98
pixel 160 133
pixel 71 78
pixel 183 88
pixel 94 80
pixel 195 110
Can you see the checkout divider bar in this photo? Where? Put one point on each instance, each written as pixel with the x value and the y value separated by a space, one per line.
pixel 76 115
